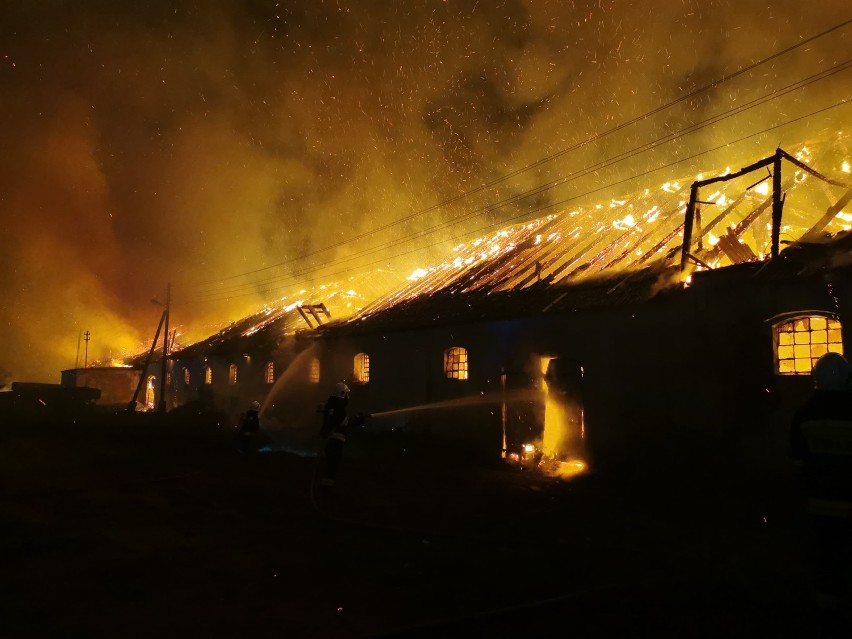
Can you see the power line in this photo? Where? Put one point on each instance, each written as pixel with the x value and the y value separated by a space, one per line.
pixel 293 276
pixel 545 159
pixel 845 102
pixel 550 185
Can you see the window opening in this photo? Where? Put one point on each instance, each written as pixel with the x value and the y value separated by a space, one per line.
pixel 315 371
pixel 801 341
pixel 208 375
pixel 270 372
pixel 362 368
pixel 455 363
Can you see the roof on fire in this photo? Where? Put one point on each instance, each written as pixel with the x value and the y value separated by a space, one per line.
pixel 618 252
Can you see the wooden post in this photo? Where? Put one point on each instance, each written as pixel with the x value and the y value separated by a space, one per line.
pixel 132 404
pixel 776 203
pixel 687 226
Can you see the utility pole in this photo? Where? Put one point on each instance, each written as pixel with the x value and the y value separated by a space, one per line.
pixel 77 359
pixel 87 336
pixel 132 405
pixel 162 405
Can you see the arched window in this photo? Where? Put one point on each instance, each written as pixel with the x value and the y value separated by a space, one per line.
pixel 361 372
pixel 801 341
pixel 232 374
pixel 208 375
pixel 315 371
pixel 270 372
pixel 455 363
pixel 186 376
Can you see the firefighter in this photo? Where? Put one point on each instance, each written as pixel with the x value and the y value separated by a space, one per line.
pixel 821 447
pixel 333 432
pixel 249 425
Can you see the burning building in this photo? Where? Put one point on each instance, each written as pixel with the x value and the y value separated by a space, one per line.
pixel 601 331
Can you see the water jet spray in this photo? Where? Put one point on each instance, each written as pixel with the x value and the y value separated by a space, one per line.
pixel 472 400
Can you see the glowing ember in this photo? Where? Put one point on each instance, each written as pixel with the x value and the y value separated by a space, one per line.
pixel 570 468
pixel 418 274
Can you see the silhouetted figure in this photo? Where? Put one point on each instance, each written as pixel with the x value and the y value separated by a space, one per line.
pixel 821 447
pixel 334 426
pixel 249 425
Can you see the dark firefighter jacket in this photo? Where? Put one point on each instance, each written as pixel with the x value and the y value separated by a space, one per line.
pixel 821 442
pixel 250 423
pixel 335 421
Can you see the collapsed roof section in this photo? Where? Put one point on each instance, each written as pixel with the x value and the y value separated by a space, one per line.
pixel 305 309
pixel 646 230
pixel 731 244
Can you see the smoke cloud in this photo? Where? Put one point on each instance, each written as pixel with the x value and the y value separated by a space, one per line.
pixel 191 141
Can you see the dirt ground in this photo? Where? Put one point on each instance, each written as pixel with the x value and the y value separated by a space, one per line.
pixel 143 527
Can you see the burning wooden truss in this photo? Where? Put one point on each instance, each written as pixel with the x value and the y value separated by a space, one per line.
pixel 729 243
pixel 317 311
pixel 649 228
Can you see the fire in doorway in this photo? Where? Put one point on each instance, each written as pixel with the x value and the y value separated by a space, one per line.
pixel 558 449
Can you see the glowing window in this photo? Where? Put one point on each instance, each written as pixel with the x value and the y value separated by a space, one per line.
pixel 315 371
pixel 455 363
pixel 169 378
pixel 186 376
pixel 361 373
pixel 208 375
pixel 232 374
pixel 150 392
pixel 801 341
pixel 270 372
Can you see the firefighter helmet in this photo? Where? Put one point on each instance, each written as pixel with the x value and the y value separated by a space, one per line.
pixel 255 405
pixel 341 389
pixel 832 372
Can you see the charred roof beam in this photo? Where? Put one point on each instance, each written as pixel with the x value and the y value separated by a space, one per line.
pixel 689 218
pixel 711 253
pixel 826 219
pixel 315 310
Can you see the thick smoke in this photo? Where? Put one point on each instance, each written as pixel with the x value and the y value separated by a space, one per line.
pixel 185 142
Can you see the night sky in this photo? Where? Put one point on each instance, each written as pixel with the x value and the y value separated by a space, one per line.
pixel 192 142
